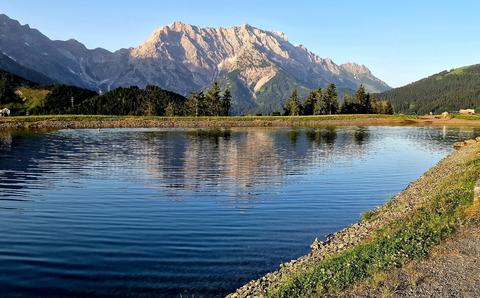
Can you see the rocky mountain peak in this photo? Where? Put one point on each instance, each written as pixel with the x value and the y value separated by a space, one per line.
pixel 355 68
pixel 5 19
pixel 179 26
pixel 281 35
pixel 11 24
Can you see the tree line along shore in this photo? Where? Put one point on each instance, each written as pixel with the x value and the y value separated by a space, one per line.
pixel 23 97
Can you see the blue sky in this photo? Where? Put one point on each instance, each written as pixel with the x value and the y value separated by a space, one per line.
pixel 400 41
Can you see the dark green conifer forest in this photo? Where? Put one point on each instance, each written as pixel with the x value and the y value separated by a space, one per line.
pixel 446 91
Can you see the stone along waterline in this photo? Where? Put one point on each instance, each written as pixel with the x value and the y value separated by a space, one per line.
pixel 200 212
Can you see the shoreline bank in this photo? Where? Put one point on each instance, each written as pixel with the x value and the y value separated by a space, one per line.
pixel 63 122
pixel 409 219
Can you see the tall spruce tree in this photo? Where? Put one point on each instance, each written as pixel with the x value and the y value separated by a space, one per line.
pixel 363 100
pixel 195 104
pixel 148 107
pixel 170 110
pixel 293 106
pixel 226 102
pixel 213 100
pixel 381 106
pixel 310 102
pixel 349 105
pixel 320 107
pixel 388 109
pixel 330 98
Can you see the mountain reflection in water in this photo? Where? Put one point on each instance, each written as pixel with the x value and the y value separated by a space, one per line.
pixel 164 212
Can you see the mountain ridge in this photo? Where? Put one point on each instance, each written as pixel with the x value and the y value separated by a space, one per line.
pixel 449 90
pixel 9 65
pixel 184 58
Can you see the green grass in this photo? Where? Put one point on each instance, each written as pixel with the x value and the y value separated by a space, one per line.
pixel 369 215
pixel 392 246
pixel 466 117
pixel 458 71
pixel 33 97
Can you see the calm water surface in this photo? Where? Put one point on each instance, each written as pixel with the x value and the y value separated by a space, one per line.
pixel 142 212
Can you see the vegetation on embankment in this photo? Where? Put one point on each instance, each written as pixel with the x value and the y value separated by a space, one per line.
pixel 466 117
pixel 405 228
pixel 451 269
pixel 97 121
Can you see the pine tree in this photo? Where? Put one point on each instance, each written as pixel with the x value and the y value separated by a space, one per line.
pixel 226 102
pixel 213 100
pixel 310 101
pixel 196 104
pixel 350 105
pixel 148 107
pixel 170 109
pixel 330 98
pixel 388 107
pixel 381 107
pixel 363 100
pixel 293 106
pixel 320 107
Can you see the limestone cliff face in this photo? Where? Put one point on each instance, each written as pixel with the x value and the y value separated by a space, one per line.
pixel 354 68
pixel 360 73
pixel 260 66
pixel 203 53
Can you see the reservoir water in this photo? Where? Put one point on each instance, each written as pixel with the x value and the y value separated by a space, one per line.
pixel 182 213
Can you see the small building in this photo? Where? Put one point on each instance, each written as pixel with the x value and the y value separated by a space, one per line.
pixel 467 111
pixel 445 115
pixel 4 112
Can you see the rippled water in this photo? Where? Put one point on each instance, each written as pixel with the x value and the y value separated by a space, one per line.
pixel 142 212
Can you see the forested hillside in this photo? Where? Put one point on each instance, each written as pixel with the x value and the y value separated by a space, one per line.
pixel 133 101
pixel 24 97
pixel 8 85
pixel 58 99
pixel 446 91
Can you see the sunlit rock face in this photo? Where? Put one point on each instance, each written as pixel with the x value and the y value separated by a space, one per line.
pixel 261 67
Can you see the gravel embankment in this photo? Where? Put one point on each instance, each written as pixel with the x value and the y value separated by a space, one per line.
pixel 403 204
pixel 452 270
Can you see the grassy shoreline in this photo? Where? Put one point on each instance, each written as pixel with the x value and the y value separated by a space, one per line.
pixel 404 229
pixel 98 121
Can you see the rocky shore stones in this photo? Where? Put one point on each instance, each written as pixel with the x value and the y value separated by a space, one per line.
pixel 459 145
pixel 476 191
pixel 470 142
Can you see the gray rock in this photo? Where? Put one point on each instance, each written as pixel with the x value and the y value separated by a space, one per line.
pixel 476 191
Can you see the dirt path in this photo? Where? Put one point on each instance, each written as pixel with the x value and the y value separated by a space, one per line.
pixel 452 270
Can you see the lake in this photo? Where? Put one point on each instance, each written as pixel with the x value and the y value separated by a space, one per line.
pixel 182 213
